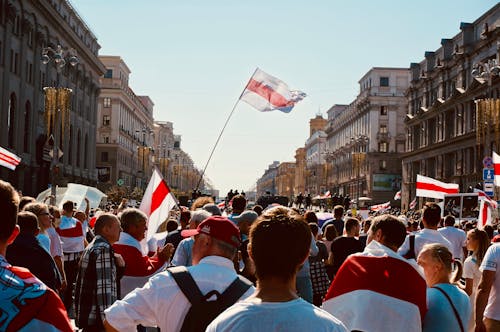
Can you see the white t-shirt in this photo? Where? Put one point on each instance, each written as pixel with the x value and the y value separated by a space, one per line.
pixel 423 237
pixel 471 271
pixel 491 262
pixel 254 315
pixel 457 237
pixel 55 242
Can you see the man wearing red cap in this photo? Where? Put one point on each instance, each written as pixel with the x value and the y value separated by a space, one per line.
pixel 161 302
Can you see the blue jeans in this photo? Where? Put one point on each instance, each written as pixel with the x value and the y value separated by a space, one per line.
pixel 304 288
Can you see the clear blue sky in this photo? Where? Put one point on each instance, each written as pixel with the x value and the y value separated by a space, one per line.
pixel 193 58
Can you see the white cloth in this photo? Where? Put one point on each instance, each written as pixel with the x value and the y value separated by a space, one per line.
pixel 491 262
pixel 55 243
pixel 425 236
pixel 254 315
pixel 471 271
pixel 73 243
pixel 457 238
pixel 161 303
pixel 440 316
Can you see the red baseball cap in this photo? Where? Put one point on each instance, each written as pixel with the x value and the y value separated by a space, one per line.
pixel 218 227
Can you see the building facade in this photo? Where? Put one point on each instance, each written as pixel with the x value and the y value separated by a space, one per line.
pixel 27 29
pixel 315 148
pixel 267 183
pixel 366 138
pixel 125 135
pixel 300 172
pixel 285 179
pixel 448 135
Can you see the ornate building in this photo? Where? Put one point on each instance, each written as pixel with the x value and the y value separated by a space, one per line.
pixel 366 138
pixel 285 179
pixel 315 147
pixel 300 171
pixel 27 28
pixel 447 137
pixel 125 135
pixel 267 183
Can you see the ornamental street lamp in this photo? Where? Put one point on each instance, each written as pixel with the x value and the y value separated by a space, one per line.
pixel 57 106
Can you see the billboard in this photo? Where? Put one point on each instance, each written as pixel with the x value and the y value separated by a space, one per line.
pixel 386 182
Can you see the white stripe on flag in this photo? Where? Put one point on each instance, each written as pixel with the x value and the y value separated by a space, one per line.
pixel 496 167
pixel 268 93
pixel 429 187
pixel 8 159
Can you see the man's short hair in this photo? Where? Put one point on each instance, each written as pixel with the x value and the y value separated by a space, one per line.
pixel 102 221
pixel 239 202
pixel 24 201
pixel 132 216
pixel 68 206
pixel 431 214
pixel 185 216
pixel 350 223
pixel 393 229
pixel 280 241
pixel 338 211
pixel 28 222
pixel 449 220
pixel 172 225
pixel 198 216
pixel 9 204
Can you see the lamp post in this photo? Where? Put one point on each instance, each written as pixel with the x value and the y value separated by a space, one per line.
pixel 57 105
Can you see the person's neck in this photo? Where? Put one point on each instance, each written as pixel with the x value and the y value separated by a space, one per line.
pixel 441 280
pixel 3 249
pixel 434 228
pixel 274 289
pixel 68 214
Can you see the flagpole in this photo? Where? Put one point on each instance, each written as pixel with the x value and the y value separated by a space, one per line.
pixel 222 131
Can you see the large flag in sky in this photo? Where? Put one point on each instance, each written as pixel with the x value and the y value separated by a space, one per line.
pixel 429 187
pixel 8 159
pixel 268 93
pixel 496 166
pixel 157 202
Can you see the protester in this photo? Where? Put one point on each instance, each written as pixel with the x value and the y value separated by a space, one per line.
pixel 99 272
pixel 244 221
pixel 456 236
pixel 25 302
pixel 56 249
pixel 363 236
pixel 27 251
pixel 160 302
pixel 73 242
pixel 338 222
pixel 239 204
pixel 344 246
pixel 183 253
pixel 275 305
pixel 317 268
pixel 477 242
pixel 431 216
pixel 488 295
pixel 303 277
pixel 137 263
pixel 41 211
pixel 448 306
pixel 378 290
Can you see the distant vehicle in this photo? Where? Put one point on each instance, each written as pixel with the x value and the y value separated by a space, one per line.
pixel 266 200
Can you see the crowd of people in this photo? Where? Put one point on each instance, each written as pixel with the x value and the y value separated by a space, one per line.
pixel 241 269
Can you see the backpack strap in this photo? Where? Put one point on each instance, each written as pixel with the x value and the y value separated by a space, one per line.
pixel 234 291
pixel 457 316
pixel 186 284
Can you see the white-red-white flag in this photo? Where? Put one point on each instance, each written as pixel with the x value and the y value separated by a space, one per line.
pixel 413 204
pixel 429 187
pixel 485 214
pixel 222 205
pixel 496 168
pixel 327 194
pixel 157 202
pixel 381 207
pixel 481 195
pixel 397 196
pixel 268 93
pixel 8 159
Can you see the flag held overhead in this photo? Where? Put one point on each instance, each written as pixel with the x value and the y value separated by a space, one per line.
pixel 429 187
pixel 8 159
pixel 267 93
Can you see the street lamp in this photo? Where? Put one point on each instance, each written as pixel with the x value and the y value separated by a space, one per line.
pixel 57 105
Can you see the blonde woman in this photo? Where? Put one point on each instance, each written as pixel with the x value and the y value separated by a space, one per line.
pixel 477 242
pixel 41 210
pixel 448 306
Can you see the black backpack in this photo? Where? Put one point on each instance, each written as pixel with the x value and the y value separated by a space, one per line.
pixel 411 252
pixel 203 312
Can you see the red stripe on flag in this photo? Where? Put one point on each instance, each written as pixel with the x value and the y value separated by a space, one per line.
pixel 159 195
pixel 497 169
pixel 268 93
pixel 385 275
pixel 434 187
pixel 9 160
pixel 71 232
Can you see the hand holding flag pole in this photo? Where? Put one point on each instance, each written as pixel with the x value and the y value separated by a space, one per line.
pixel 265 93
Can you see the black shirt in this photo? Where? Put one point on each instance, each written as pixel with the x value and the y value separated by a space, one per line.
pixel 341 248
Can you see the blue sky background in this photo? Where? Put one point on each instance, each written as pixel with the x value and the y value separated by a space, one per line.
pixel 193 58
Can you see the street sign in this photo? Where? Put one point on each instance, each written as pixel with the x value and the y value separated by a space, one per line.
pixel 489 188
pixel 488 174
pixel 488 162
pixel 59 153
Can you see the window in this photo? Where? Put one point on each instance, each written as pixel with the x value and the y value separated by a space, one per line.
pixel 109 73
pixel 106 139
pixel 382 147
pixel 11 120
pixel 106 119
pixel 383 129
pixel 384 81
pixel 104 156
pixel 27 115
pixel 107 102
pixel 383 110
pixel 383 165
